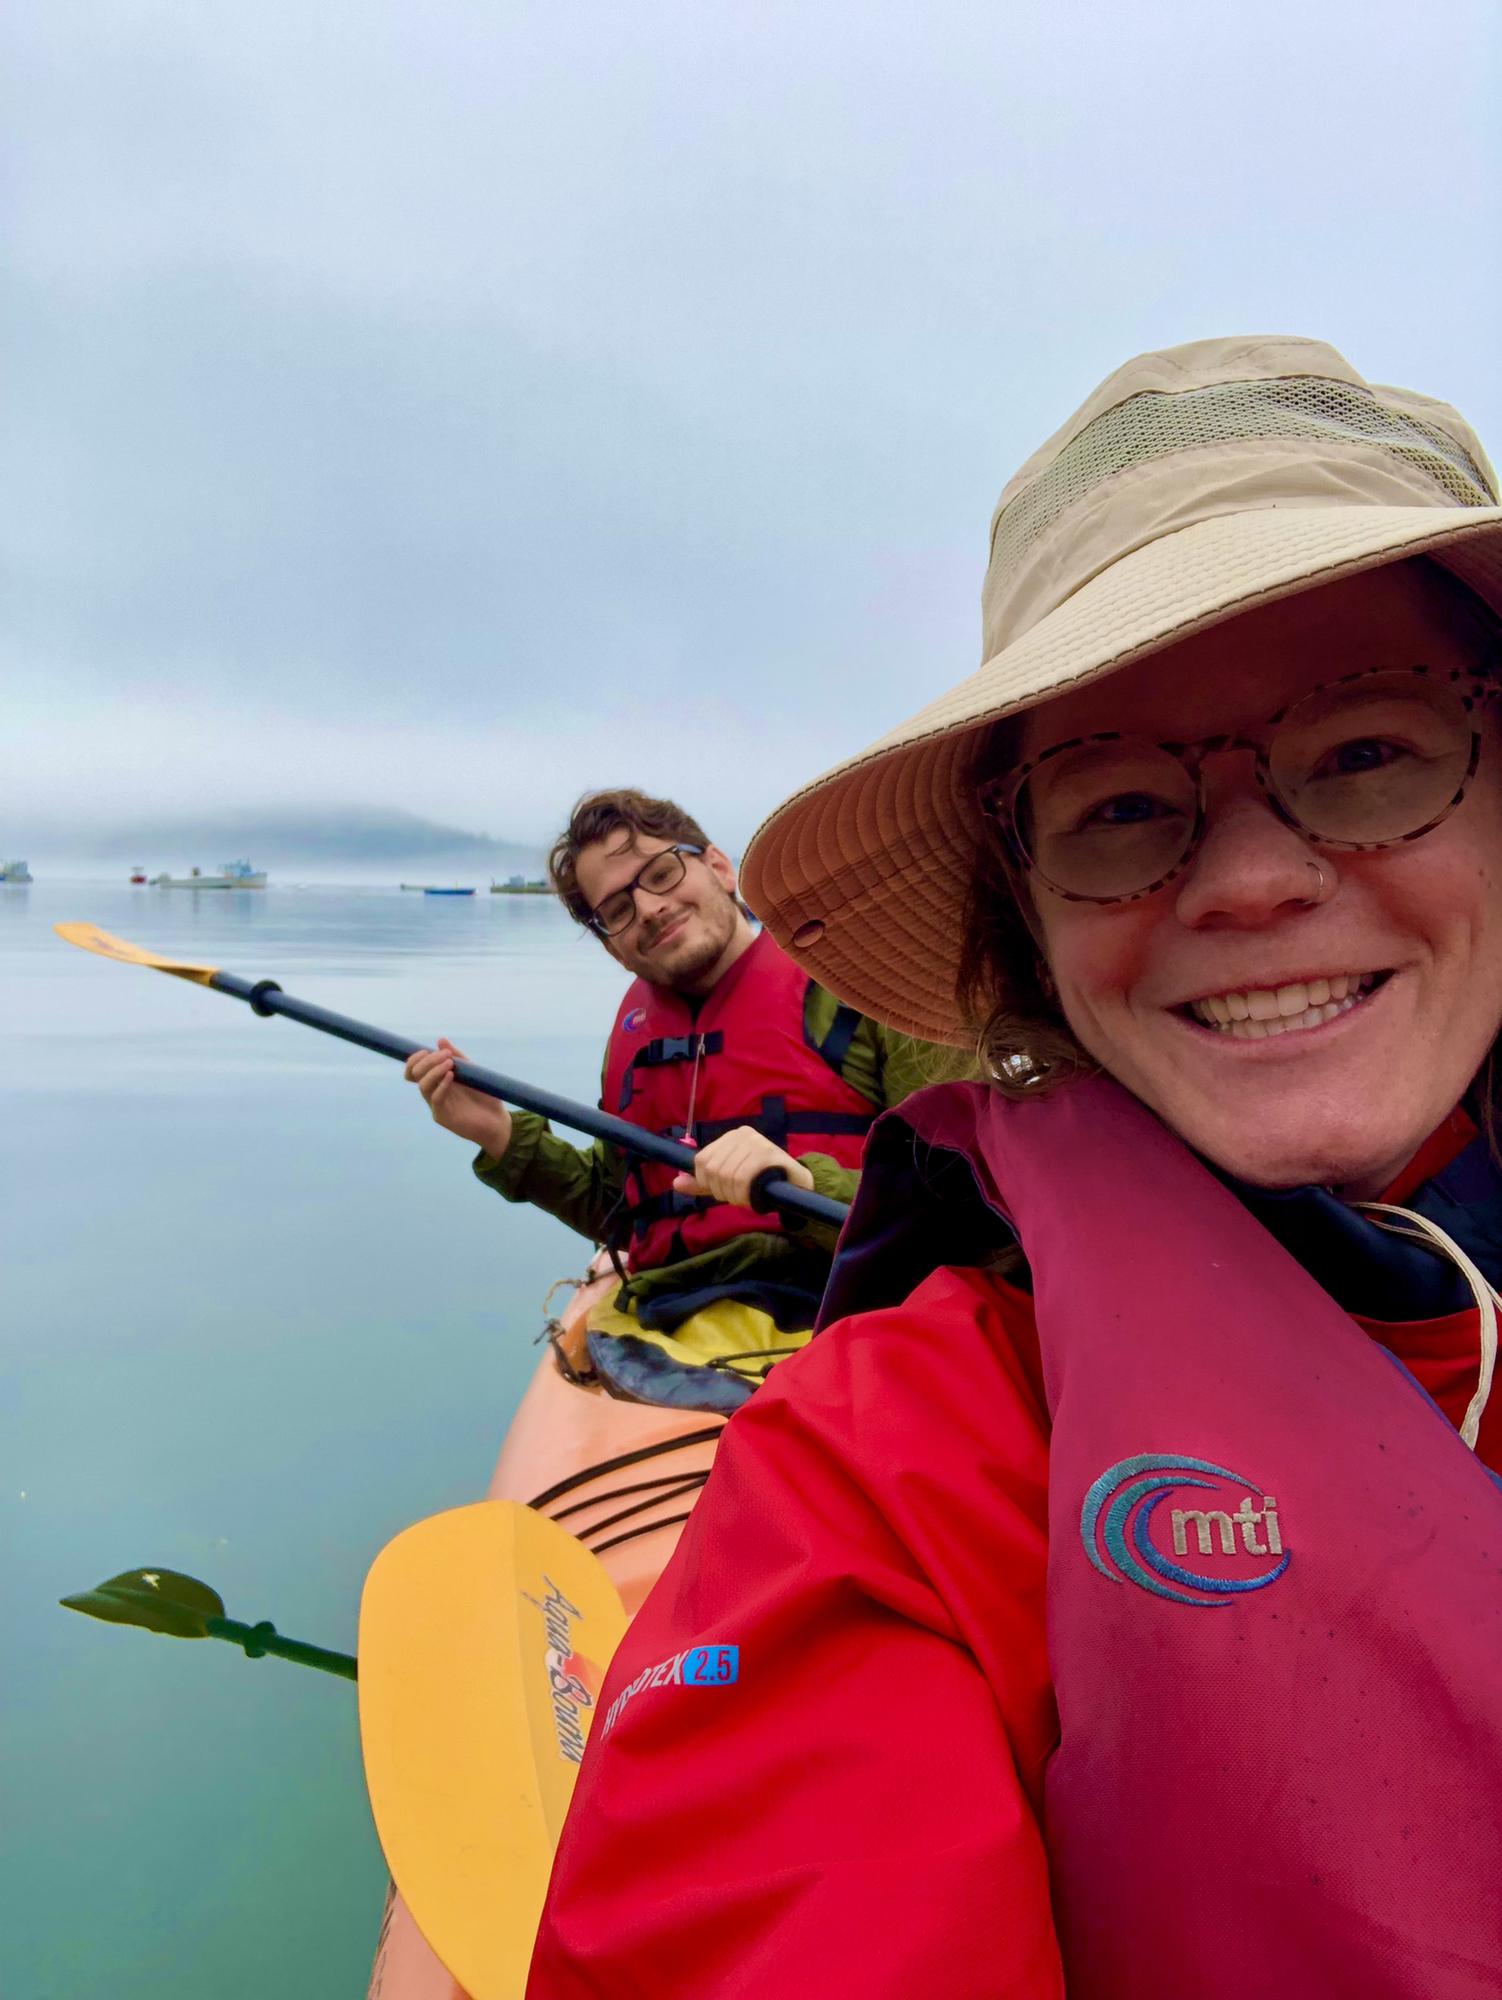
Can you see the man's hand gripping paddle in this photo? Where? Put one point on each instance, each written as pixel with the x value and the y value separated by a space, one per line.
pixel 265 997
pixel 484 1636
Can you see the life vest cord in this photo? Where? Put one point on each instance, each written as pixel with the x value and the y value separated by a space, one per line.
pixel 693 1092
pixel 755 1355
pixel 1416 1228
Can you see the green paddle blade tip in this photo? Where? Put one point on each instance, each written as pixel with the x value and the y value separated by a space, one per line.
pixel 158 1600
pixel 164 1600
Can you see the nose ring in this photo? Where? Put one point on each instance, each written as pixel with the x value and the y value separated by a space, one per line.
pixel 1319 884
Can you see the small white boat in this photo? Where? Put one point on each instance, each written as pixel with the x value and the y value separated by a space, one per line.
pixel 232 875
pixel 15 874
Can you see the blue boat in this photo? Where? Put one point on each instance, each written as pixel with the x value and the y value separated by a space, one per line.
pixel 448 892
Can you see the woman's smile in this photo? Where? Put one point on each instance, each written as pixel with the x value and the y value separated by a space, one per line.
pixel 1289 1007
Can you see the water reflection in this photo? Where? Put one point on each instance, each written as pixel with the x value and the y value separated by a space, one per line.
pixel 258 1316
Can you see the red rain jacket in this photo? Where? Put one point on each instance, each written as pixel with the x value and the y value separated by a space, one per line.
pixel 863 1815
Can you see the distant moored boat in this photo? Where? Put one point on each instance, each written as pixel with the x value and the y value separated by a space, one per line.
pixel 447 892
pixel 233 875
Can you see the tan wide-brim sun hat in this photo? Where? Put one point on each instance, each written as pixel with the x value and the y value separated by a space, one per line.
pixel 1193 485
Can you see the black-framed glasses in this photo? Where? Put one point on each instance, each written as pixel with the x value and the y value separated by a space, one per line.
pixel 661 872
pixel 1367 761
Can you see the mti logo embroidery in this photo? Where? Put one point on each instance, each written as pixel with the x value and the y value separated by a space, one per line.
pixel 1207 1554
pixel 637 1018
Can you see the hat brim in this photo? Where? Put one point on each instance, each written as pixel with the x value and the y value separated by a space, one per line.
pixel 862 874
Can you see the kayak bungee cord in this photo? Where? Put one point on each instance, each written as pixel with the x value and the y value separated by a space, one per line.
pixel 660 1491
pixel 619 1464
pixel 265 997
pixel 693 1483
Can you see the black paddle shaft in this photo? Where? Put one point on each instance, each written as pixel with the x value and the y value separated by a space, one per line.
pixel 769 1191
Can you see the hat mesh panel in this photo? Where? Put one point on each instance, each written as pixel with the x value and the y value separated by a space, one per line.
pixel 1153 425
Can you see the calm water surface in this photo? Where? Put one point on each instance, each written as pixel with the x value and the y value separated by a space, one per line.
pixel 257 1317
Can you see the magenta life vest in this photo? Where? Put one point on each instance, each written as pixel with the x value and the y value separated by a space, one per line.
pixel 744 1058
pixel 1274 1590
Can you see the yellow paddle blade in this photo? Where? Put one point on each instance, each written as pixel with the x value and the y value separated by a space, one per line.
pixel 484 1636
pixel 89 937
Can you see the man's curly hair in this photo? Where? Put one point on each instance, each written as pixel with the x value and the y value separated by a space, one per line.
pixel 598 815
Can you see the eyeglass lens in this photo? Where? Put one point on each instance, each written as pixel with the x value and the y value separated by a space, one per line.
pixel 1359 765
pixel 663 872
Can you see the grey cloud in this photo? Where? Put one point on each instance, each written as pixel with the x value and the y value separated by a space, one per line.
pixel 587 385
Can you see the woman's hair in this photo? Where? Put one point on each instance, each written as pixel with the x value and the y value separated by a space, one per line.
pixel 600 814
pixel 1022 1041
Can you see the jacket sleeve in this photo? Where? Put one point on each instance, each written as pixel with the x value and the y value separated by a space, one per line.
pixel 581 1185
pixel 855 1812
pixel 886 1067
pixel 883 1066
pixel 838 1184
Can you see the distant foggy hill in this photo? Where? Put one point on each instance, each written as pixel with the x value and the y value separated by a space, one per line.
pixel 362 837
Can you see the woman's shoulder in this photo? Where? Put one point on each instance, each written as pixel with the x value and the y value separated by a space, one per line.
pixel 957 1306
pixel 957 1359
pixel 953 1319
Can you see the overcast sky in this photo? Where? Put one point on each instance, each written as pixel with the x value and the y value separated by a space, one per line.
pixel 449 406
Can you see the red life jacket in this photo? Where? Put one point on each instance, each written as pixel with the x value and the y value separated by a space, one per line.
pixel 744 1058
pixel 1274 1591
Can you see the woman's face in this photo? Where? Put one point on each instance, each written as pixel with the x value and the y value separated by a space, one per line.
pixel 1346 1102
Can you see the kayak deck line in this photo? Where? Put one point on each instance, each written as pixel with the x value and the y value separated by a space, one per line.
pixel 665 1487
pixel 542 1501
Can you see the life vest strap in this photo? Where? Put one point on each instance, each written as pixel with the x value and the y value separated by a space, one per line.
pixel 774 1121
pixel 640 1216
pixel 669 1049
pixel 783 1124
pixel 836 1044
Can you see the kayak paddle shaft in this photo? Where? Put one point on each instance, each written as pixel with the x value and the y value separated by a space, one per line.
pixel 771 1190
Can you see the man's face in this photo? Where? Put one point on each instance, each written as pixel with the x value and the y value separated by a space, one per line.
pixel 680 938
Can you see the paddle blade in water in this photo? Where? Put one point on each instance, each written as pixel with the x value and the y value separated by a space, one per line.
pixel 160 1600
pixel 484 1636
pixel 89 937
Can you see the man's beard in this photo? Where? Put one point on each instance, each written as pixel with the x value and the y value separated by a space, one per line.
pixel 720 923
